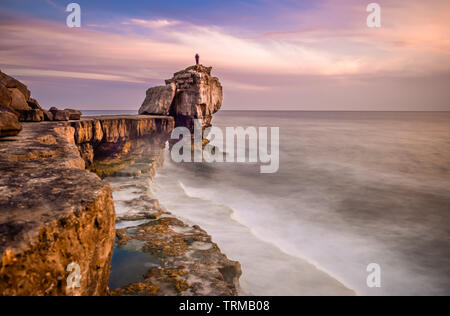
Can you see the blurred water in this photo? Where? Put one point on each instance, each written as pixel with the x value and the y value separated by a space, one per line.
pixel 353 188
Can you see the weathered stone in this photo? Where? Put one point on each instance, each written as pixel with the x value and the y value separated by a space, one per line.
pixel 113 138
pixel 198 96
pixel 53 213
pixel 9 124
pixel 18 100
pixel 59 115
pixel 32 103
pixel 185 261
pixel 10 82
pixel 9 109
pixel 36 115
pixel 158 100
pixel 48 116
pixel 74 114
pixel 5 95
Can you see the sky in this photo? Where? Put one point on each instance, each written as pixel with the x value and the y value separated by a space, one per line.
pixel 268 54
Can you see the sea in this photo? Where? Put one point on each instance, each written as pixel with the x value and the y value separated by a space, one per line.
pixel 353 189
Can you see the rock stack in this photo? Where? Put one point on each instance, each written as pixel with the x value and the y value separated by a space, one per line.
pixel 191 94
pixel 17 105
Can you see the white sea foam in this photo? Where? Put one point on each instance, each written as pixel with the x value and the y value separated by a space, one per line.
pixel 350 191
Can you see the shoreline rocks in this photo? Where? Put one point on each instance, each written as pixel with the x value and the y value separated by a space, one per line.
pixel 53 213
pixel 157 254
pixel 9 125
pixel 16 99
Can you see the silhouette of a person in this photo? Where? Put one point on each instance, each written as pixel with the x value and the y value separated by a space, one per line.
pixel 197 59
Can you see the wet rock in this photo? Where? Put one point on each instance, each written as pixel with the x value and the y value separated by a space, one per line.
pixel 9 124
pixel 189 262
pixel 158 100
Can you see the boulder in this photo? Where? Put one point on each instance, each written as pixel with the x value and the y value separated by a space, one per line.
pixel 74 114
pixel 5 95
pixel 36 115
pixel 8 109
pixel 48 116
pixel 9 124
pixel 18 100
pixel 32 103
pixel 12 83
pixel 158 100
pixel 60 115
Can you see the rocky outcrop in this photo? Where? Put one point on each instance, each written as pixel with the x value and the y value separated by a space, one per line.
pixel 59 115
pixel 108 143
pixel 53 213
pixel 16 96
pixel 9 125
pixel 186 261
pixel 197 95
pixel 156 253
pixel 158 100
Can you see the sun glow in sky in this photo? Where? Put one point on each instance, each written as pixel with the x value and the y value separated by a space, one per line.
pixel 288 55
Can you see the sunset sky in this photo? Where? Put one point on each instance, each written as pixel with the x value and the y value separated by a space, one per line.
pixel 268 54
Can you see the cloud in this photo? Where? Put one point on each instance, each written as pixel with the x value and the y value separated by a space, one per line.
pixel 152 23
pixel 329 41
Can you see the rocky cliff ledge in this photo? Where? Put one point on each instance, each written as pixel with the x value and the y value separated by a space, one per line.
pixel 108 143
pixel 53 213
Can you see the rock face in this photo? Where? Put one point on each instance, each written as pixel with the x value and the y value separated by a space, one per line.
pixel 16 96
pixel 198 95
pixel 104 142
pixel 9 125
pixel 53 213
pixel 158 100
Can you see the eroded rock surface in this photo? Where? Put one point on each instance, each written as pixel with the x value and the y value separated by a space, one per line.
pixel 53 212
pixel 109 143
pixel 168 256
pixel 9 125
pixel 197 95
pixel 158 100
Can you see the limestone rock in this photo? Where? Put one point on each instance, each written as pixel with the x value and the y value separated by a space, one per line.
pixel 73 114
pixel 12 83
pixel 198 95
pixel 53 213
pixel 18 100
pixel 9 109
pixel 36 115
pixel 32 103
pixel 9 125
pixel 158 100
pixel 60 115
pixel 48 116
pixel 5 95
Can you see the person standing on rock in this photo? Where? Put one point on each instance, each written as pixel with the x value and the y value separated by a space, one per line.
pixel 197 59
